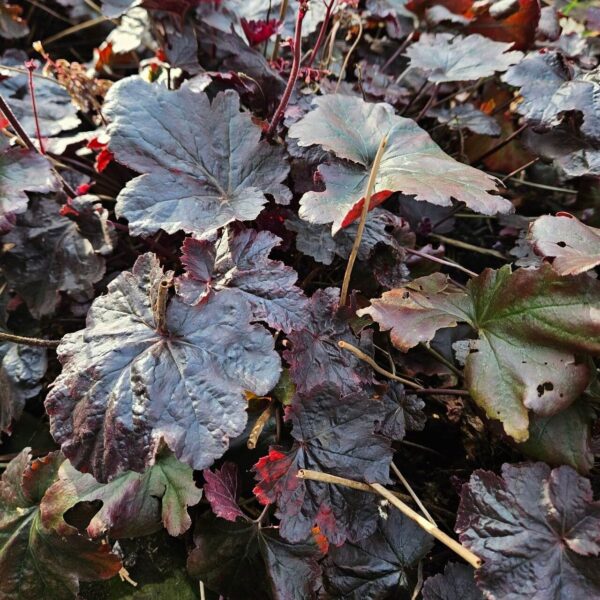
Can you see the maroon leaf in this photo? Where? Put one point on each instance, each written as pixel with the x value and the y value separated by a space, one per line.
pixel 457 583
pixel 537 530
pixel 333 433
pixel 241 261
pixel 315 356
pixel 221 490
pixel 403 412
pixel 380 566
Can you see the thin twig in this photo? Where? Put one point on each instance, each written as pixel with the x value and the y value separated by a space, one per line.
pixel 412 493
pixel 467 246
pixel 282 10
pixel 289 88
pixel 522 168
pixel 451 543
pixel 398 51
pixel 160 308
pixel 543 186
pixel 437 533
pixel 202 592
pixel 422 390
pixel 440 261
pixel 428 103
pixel 28 341
pixel 30 65
pixel 363 220
pixel 500 144
pixel 336 25
pixel 76 28
pixel 349 54
pixel 442 359
pixel 259 426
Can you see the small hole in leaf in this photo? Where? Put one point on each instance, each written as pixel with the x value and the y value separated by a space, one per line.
pixel 561 244
pixel 405 295
pixel 547 386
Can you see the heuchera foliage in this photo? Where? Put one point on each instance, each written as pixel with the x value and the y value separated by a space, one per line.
pixel 299 300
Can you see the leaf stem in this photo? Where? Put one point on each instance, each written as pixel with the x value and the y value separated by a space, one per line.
pixel 321 36
pixel 28 341
pixel 437 533
pixel 363 219
pixel 398 51
pixel 26 140
pixel 30 65
pixel 521 168
pixel 289 88
pixel 442 359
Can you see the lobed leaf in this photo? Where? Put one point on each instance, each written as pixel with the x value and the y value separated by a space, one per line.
pixel 203 164
pixel 125 387
pixel 536 529
pixel 412 163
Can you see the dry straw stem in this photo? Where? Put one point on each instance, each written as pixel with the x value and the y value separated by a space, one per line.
pixel 422 522
pixel 259 426
pixel 160 308
pixel 27 341
pixel 363 219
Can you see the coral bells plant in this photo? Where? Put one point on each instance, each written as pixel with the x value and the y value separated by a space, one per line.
pixel 299 300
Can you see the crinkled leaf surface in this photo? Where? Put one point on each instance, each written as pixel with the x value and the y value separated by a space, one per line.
pixel 445 57
pixel 412 162
pixel 203 164
pixel 574 246
pixel 241 261
pixel 456 583
pixel 537 531
pixel 21 369
pixel 50 255
pixel 333 433
pixel 133 504
pixel 315 356
pixel 35 561
pixel 403 412
pixel 380 566
pixel 125 386
pixel 243 561
pixel 221 490
pixel 550 88
pixel 21 170
pixel 531 325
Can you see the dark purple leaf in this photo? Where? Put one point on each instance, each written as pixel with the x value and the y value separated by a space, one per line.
pixel 21 171
pixel 380 566
pixel 403 412
pixel 333 433
pixel 203 164
pixel 457 583
pixel 125 387
pixel 241 261
pixel 50 255
pixel 221 490
pixel 133 504
pixel 537 530
pixel 445 57
pixel 243 561
pixel 551 87
pixel 315 356
pixel 37 561
pixel 412 163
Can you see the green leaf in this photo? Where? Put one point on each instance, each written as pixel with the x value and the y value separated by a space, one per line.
pixel 532 325
pixel 36 561
pixel 133 504
pixel 562 439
